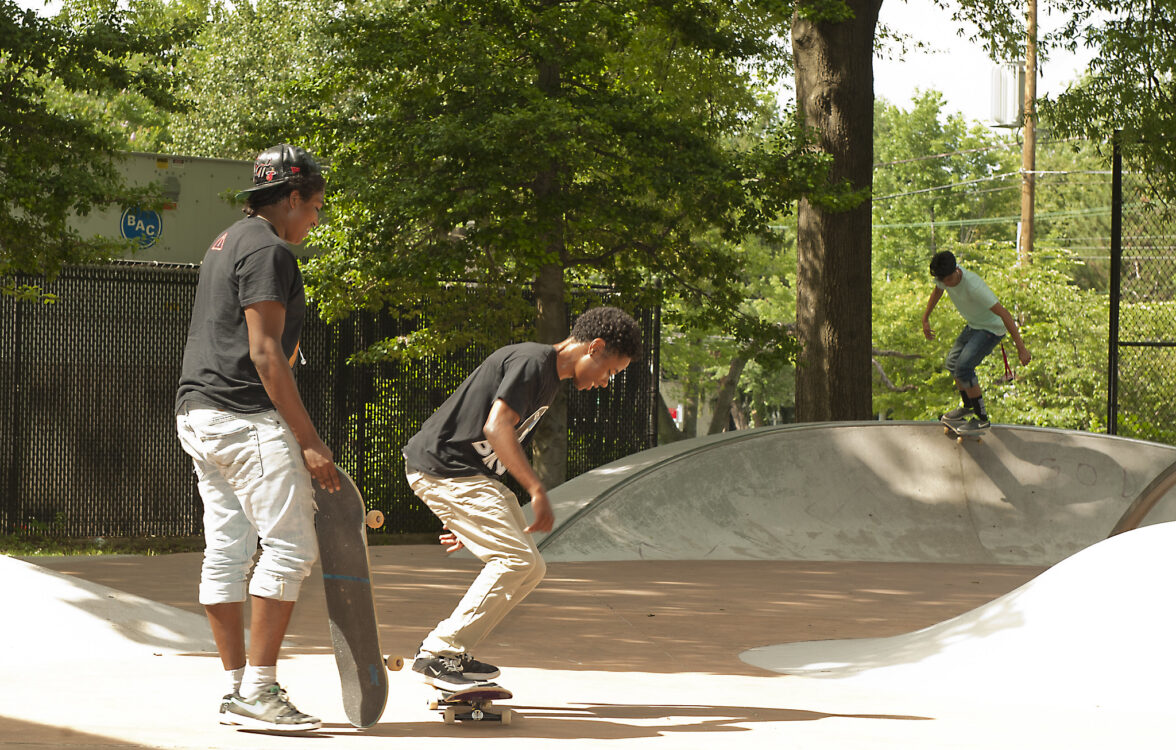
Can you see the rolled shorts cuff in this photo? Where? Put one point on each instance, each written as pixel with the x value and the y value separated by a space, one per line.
pixel 214 592
pixel 277 589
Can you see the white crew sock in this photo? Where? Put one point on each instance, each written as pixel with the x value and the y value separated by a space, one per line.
pixel 235 676
pixel 256 680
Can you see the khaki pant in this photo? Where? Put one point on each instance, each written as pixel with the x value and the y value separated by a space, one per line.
pixel 486 517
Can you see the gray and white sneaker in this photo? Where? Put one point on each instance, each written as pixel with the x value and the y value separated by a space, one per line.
pixel 271 710
pixel 443 672
pixel 974 425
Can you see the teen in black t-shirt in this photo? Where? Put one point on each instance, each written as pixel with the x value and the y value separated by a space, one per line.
pixel 253 446
pixel 454 461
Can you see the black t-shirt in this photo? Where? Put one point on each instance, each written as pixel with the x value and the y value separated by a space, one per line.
pixel 247 263
pixel 451 442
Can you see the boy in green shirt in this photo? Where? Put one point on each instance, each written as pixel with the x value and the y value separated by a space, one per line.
pixel 987 322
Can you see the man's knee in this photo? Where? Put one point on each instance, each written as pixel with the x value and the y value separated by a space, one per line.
pixel 538 569
pixel 280 572
pixel 526 567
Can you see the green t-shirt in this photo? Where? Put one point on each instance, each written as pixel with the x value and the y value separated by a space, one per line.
pixel 974 300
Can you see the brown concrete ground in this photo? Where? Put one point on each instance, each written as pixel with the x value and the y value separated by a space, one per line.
pixel 636 653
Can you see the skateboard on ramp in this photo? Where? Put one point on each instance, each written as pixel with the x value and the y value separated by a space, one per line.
pixel 473 704
pixel 342 539
pixel 959 431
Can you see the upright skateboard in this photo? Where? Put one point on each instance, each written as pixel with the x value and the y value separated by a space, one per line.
pixel 472 704
pixel 344 557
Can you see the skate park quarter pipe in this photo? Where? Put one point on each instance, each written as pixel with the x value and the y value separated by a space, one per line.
pixel 874 491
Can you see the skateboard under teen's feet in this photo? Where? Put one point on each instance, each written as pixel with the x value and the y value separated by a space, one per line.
pixel 343 552
pixel 475 703
pixel 960 429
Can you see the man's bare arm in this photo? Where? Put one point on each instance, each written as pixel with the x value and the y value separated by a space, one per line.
pixel 266 321
pixel 499 430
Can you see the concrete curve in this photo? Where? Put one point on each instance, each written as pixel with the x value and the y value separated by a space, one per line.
pixel 60 615
pixel 1091 631
pixel 884 491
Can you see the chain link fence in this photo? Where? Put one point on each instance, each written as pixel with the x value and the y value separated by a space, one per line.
pixel 1142 357
pixel 87 432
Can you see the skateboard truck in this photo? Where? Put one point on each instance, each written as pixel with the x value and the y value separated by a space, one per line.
pixel 473 704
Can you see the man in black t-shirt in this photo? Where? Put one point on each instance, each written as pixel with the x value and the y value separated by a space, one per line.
pixel 478 434
pixel 254 448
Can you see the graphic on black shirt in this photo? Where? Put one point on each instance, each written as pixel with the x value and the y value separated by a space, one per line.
pixel 490 458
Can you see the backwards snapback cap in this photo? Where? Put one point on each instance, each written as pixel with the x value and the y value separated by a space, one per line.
pixel 279 164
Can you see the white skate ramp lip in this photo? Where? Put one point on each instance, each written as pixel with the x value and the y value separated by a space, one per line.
pixel 874 491
pixel 1091 631
pixel 59 616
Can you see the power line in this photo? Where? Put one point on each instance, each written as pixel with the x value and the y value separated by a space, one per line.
pixel 1051 173
pixel 994 147
pixel 995 219
pixel 948 187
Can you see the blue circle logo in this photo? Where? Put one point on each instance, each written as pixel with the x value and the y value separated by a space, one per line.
pixel 142 226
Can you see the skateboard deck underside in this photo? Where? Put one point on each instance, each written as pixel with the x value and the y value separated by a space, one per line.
pixel 351 613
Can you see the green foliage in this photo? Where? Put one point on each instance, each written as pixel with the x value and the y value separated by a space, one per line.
pixel 824 11
pixel 487 141
pixel 57 161
pixel 1130 85
pixel 247 74
pixel 938 179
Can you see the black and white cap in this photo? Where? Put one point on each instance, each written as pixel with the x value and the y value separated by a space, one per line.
pixel 279 164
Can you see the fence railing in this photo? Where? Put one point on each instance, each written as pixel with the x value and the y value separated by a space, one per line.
pixel 1142 347
pixel 87 426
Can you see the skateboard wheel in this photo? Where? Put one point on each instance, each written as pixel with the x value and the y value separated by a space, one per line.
pixel 395 663
pixel 450 716
pixel 375 519
pixel 506 715
pixel 433 704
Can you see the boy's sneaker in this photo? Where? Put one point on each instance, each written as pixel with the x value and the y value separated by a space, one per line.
pixel 959 414
pixel 975 424
pixel 477 670
pixel 443 672
pixel 271 710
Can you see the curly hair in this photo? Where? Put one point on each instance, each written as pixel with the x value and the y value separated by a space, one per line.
pixel 621 334
pixel 308 187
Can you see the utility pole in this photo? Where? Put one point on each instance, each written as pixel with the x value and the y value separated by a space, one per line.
pixel 1029 147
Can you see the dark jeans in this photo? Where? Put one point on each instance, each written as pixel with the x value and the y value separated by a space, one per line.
pixel 968 351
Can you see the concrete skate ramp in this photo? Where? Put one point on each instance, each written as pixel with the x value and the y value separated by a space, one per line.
pixel 1094 630
pixel 56 616
pixel 885 491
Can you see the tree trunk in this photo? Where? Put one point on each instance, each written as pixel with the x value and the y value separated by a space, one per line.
pixel 835 94
pixel 549 453
pixel 721 415
pixel 550 447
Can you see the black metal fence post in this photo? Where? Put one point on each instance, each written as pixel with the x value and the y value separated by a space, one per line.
pixel 1115 273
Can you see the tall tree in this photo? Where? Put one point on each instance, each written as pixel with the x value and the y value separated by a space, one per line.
pixel 833 45
pixel 543 144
